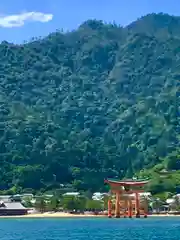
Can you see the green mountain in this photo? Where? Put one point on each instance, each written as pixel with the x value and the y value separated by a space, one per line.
pixel 101 101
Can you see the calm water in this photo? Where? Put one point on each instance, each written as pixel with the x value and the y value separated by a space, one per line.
pixel 82 229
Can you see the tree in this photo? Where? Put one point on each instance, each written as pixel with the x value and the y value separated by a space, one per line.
pixel 105 201
pixel 101 101
pixel 53 205
pixel 173 161
pixel 69 203
pixel 176 204
pixel 40 204
pixel 80 204
pixel 27 203
pixel 156 205
pixel 94 205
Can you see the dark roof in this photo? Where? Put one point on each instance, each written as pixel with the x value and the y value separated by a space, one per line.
pixel 12 205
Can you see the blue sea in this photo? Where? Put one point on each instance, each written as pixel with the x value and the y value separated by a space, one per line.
pixel 90 228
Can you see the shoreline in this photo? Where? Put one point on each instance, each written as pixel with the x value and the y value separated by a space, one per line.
pixel 55 215
pixel 68 215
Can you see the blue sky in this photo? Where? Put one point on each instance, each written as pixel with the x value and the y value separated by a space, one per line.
pixel 22 19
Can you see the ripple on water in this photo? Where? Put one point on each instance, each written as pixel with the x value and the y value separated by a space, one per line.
pixel 88 228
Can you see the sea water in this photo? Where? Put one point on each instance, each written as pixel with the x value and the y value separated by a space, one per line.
pixel 90 228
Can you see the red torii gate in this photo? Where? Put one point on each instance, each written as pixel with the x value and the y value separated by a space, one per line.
pixel 123 191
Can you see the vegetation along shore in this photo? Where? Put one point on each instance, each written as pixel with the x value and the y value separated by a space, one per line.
pixel 99 102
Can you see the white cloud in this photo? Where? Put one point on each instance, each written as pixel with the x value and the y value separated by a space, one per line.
pixel 20 19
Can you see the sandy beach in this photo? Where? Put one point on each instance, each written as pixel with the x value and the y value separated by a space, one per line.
pixel 68 215
pixel 54 215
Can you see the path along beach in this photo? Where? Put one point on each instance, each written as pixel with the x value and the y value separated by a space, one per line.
pixel 69 215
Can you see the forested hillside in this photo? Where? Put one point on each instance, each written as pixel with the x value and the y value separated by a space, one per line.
pixel 101 101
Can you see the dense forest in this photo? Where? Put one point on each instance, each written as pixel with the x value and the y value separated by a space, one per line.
pixel 100 101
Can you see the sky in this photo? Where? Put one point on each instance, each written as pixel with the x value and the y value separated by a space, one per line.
pixel 23 19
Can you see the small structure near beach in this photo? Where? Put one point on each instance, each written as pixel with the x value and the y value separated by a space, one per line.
pixel 12 209
pixel 125 199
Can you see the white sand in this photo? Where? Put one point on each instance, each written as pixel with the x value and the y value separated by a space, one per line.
pixel 68 215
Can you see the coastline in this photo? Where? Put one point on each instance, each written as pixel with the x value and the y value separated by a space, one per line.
pixel 54 215
pixel 68 215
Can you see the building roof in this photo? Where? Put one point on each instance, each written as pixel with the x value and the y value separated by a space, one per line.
pixel 71 194
pixel 170 201
pixel 99 194
pixel 128 182
pixel 27 194
pixel 142 194
pixel 12 205
pixel 5 196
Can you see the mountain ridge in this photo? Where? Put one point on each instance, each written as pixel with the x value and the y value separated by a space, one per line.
pixel 101 101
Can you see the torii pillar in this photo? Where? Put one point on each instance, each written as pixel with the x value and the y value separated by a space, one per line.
pixel 117 205
pixel 137 206
pixel 109 208
pixel 130 208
